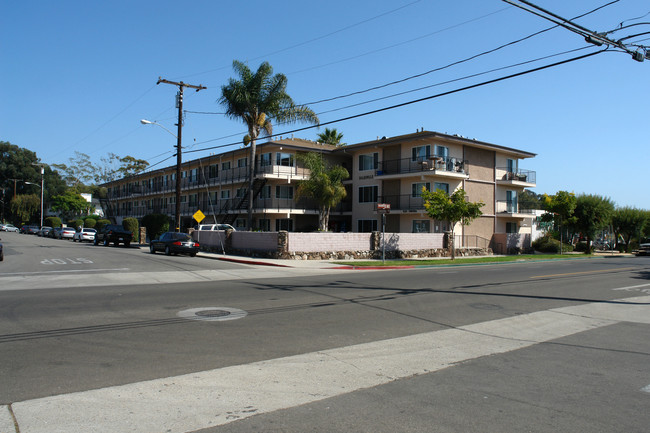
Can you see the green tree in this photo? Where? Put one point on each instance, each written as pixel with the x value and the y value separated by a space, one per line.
pixel 628 222
pixel 560 209
pixel 325 185
pixel 113 167
pixel 18 166
pixel 260 99
pixel 156 224
pixel 452 208
pixel 529 200
pixel 70 203
pixel 79 171
pixel 25 206
pixel 593 213
pixel 331 136
pixel 132 225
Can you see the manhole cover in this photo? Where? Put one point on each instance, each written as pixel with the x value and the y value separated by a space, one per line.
pixel 214 314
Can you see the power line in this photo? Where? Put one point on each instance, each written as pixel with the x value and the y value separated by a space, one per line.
pixel 458 62
pixel 314 39
pixel 438 95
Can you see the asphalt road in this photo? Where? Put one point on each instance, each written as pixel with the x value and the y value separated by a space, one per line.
pixel 542 347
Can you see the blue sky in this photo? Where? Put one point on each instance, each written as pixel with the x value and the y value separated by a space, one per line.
pixel 79 76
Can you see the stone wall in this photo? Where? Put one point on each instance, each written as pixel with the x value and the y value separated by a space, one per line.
pixel 326 246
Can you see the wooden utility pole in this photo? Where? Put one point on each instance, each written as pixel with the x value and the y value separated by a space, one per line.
pixel 179 159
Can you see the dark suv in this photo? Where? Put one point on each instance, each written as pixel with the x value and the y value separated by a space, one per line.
pixel 113 233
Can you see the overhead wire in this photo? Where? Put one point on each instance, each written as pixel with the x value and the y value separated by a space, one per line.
pixel 438 95
pixel 458 62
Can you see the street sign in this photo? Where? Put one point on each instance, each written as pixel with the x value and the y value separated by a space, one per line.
pixel 198 216
pixel 383 208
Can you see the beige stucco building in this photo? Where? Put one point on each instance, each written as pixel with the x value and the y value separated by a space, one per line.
pixel 386 170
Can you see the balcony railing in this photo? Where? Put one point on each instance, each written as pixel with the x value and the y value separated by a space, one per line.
pixel 438 164
pixel 527 176
pixel 403 202
pixel 513 207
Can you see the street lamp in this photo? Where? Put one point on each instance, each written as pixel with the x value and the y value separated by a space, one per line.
pixel 42 187
pixel 178 168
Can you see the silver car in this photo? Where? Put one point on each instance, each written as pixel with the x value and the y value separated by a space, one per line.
pixel 84 235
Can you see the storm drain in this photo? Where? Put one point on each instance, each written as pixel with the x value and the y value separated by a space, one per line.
pixel 212 314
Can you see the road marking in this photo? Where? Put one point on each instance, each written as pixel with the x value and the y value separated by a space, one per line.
pixel 646 388
pixel 583 273
pixel 206 399
pixel 11 274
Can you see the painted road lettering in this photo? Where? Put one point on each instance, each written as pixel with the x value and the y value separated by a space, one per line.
pixel 67 261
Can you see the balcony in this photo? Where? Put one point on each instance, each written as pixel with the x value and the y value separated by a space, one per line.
pixel 512 209
pixel 525 178
pixel 405 202
pixel 433 165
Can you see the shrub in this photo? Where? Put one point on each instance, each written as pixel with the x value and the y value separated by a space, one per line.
pixel 90 223
pixel 78 223
pixel 52 221
pixel 131 224
pixel 156 224
pixel 547 244
pixel 101 223
pixel 581 247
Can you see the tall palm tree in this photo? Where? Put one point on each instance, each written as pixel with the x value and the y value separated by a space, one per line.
pixel 325 185
pixel 331 136
pixel 260 99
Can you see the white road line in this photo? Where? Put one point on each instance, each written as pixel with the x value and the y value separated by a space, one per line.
pixel 216 397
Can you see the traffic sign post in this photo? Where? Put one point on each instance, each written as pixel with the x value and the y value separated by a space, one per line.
pixel 383 209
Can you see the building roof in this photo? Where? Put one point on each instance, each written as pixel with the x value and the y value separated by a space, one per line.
pixel 428 135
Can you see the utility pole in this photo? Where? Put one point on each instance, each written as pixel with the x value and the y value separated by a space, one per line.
pixel 179 159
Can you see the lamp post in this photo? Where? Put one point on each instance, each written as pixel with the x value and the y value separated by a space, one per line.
pixel 42 187
pixel 179 161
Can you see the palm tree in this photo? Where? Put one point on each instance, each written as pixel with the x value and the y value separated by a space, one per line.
pixel 259 99
pixel 331 136
pixel 325 185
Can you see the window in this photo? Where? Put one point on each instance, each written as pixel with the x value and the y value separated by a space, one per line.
pixel 369 161
pixel 368 194
pixel 241 192
pixel 242 162
pixel 265 159
pixel 225 193
pixel 441 186
pixel 511 201
pixel 240 223
pixel 284 191
pixel 285 159
pixel 416 188
pixel 265 192
pixel 421 226
pixel 183 199
pixel 511 166
pixel 440 226
pixel 284 224
pixel 420 153
pixel 264 224
pixel 366 226
pixel 193 199
pixel 511 228
pixel 213 171
pixel 442 151
pixel 225 165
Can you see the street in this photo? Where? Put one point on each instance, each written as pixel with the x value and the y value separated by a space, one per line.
pixel 115 339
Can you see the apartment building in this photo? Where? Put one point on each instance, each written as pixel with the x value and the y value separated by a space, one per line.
pixel 386 170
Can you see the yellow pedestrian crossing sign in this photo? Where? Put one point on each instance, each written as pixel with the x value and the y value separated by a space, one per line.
pixel 198 216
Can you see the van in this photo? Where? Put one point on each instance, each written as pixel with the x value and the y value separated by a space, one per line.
pixel 216 227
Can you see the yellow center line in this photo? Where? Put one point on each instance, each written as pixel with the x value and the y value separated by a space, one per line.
pixel 582 273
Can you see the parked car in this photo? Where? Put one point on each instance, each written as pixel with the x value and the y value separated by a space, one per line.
pixel 174 243
pixel 54 233
pixel 113 233
pixel 8 228
pixel 216 227
pixel 29 229
pixel 644 250
pixel 84 235
pixel 44 231
pixel 67 233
